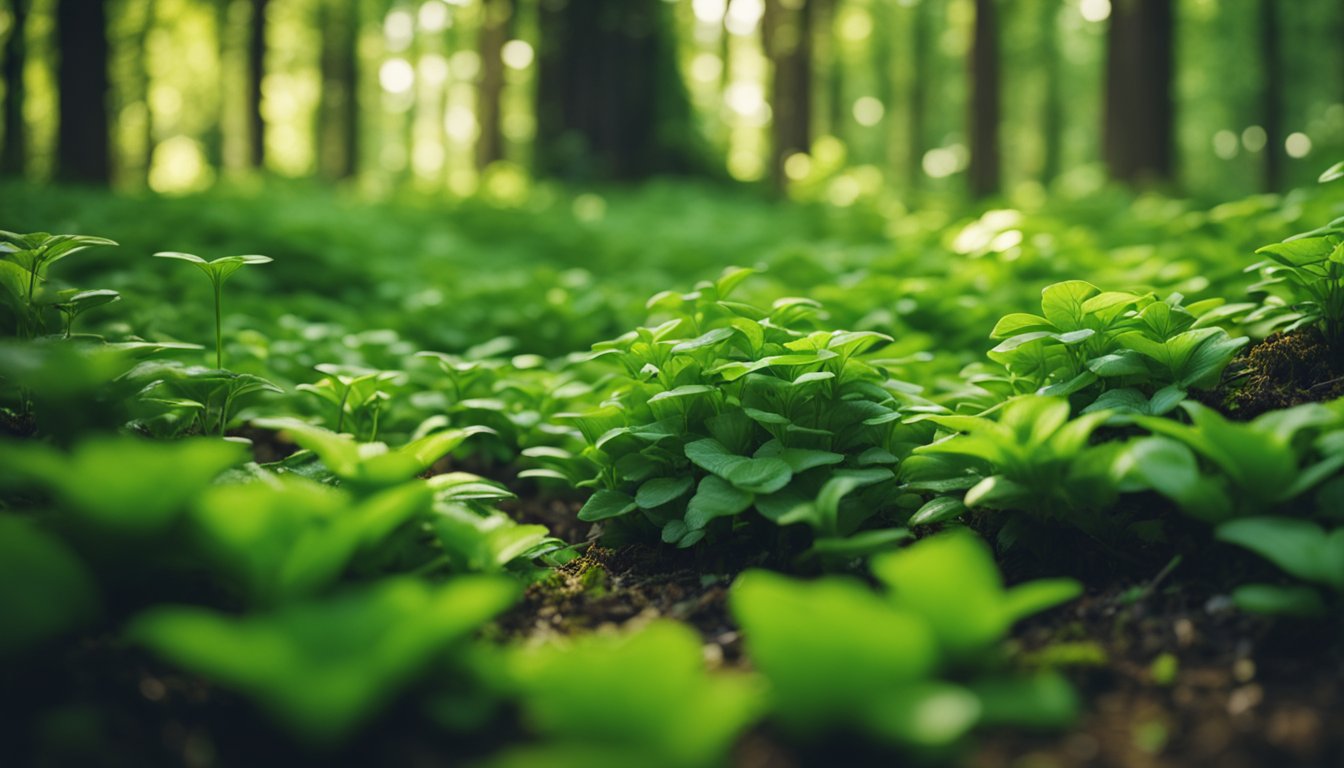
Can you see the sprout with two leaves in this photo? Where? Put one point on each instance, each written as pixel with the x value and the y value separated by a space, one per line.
pixel 75 302
pixel 355 391
pixel 24 261
pixel 218 271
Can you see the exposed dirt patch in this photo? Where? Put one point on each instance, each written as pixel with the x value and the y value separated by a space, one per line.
pixel 1176 679
pixel 1283 370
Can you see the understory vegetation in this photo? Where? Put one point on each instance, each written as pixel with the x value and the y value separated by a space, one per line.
pixel 674 477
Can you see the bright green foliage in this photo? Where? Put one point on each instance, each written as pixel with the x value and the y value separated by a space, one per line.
pixel 218 271
pixel 45 591
pixel 839 656
pixel 1028 457
pixel 370 465
pixel 74 302
pixel 1248 468
pixel 195 399
pixel 121 484
pixel 640 698
pixel 1303 280
pixel 726 407
pixel 290 537
pixel 357 393
pixel 1302 549
pixel 24 261
pixel 952 583
pixel 322 667
pixel 1116 350
pixel 475 536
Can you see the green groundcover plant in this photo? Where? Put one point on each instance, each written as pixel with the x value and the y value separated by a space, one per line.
pixel 726 408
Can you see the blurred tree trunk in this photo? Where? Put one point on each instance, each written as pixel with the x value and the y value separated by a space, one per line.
pixel 982 177
pixel 787 37
pixel 83 139
pixel 1053 120
pixel 256 73
pixel 919 93
pixel 338 111
pixel 1271 99
pixel 14 155
pixel 610 100
pixel 490 41
pixel 137 91
pixel 1139 121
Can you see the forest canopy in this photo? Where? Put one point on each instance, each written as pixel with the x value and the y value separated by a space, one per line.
pixel 832 97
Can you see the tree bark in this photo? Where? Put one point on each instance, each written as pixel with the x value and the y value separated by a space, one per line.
pixel 338 124
pixel 13 157
pixel 1053 119
pixel 490 87
pixel 82 141
pixel 256 73
pixel 1271 99
pixel 982 176
pixel 610 101
pixel 919 91
pixel 1138 130
pixel 787 37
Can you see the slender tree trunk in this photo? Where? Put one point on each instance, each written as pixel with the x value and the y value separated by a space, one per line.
pixel 1053 119
pixel 256 73
pixel 14 155
pixel 610 100
pixel 1138 131
pixel 338 111
pixel 787 38
pixel 83 141
pixel 921 65
pixel 490 87
pixel 1271 99
pixel 982 177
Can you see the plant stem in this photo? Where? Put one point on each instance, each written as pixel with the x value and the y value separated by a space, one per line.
pixel 219 333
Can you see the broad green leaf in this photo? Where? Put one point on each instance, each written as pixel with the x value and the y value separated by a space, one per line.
pixel 661 490
pixel 715 498
pixel 830 648
pixel 606 504
pixel 323 667
pixel 938 510
pixel 45 590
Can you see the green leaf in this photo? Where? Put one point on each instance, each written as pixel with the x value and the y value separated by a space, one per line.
pixel 661 490
pixel 938 510
pixel 707 339
pixel 1299 547
pixel 830 648
pixel 1062 303
pixel 1020 322
pixel 715 498
pixel 1278 600
pixel 45 590
pixel 321 668
pixel 606 504
pixel 1332 173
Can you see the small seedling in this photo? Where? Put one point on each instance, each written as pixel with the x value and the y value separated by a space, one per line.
pixel 218 271
pixel 24 261
pixel 75 302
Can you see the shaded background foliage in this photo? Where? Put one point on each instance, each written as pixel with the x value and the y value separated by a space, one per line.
pixel 830 97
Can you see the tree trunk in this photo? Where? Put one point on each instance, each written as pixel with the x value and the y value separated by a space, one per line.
pixel 256 73
pixel 787 37
pixel 982 177
pixel 1271 99
pixel 919 93
pixel 1053 121
pixel 490 87
pixel 338 111
pixel 14 155
pixel 1137 134
pixel 83 141
pixel 610 100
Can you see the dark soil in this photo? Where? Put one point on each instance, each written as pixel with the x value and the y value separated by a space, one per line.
pixel 1283 370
